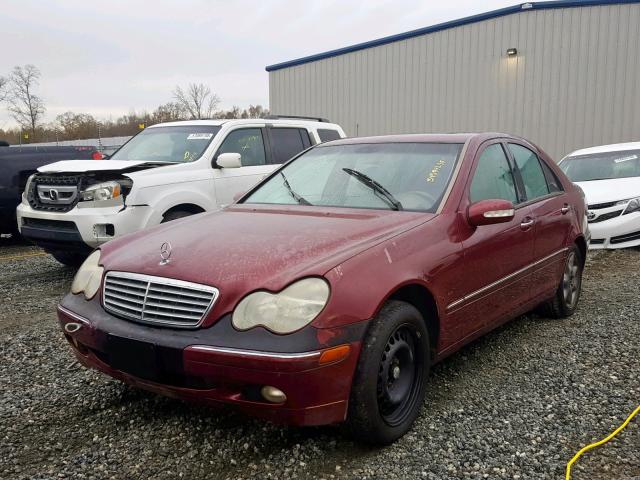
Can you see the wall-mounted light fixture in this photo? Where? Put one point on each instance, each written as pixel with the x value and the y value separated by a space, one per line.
pixel 512 52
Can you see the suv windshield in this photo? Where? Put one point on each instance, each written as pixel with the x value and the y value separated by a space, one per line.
pixel 396 176
pixel 179 144
pixel 602 166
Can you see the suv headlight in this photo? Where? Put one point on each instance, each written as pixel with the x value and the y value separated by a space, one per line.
pixel 105 191
pixel 27 186
pixel 633 205
pixel 89 277
pixel 283 312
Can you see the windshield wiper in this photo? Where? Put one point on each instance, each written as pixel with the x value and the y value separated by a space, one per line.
pixel 377 188
pixel 298 198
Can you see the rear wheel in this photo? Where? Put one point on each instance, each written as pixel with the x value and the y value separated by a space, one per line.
pixel 70 259
pixel 389 384
pixel 565 301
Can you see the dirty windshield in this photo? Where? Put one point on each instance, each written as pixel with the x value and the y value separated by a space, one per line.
pixel 181 144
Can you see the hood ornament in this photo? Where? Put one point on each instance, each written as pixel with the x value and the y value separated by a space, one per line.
pixel 165 253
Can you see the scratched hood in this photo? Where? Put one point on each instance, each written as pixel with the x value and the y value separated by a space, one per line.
pixel 84 166
pixel 245 248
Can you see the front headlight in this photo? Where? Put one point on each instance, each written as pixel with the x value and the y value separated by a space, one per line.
pixel 104 191
pixel 283 312
pixel 27 186
pixel 89 277
pixel 633 205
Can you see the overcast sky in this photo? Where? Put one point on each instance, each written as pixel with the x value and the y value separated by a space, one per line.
pixel 109 58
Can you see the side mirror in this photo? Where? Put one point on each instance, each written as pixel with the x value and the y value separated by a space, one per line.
pixel 489 212
pixel 229 160
pixel 238 196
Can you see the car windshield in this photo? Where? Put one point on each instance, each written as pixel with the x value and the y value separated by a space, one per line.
pixel 178 144
pixel 397 176
pixel 602 166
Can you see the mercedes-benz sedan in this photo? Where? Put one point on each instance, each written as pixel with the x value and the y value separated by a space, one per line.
pixel 325 294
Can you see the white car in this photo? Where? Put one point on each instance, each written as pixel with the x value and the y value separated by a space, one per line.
pixel 167 171
pixel 609 175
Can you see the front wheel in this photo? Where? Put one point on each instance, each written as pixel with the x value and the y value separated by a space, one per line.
pixel 565 301
pixel 70 259
pixel 389 383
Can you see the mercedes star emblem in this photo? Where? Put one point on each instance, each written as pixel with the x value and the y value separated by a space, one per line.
pixel 165 253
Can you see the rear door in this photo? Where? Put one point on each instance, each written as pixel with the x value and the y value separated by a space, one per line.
pixel 550 210
pixel 250 143
pixel 496 257
pixel 287 142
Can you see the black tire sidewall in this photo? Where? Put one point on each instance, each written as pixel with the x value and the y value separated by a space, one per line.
pixel 364 418
pixel 567 310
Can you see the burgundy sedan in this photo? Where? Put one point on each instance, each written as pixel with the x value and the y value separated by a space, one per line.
pixel 326 293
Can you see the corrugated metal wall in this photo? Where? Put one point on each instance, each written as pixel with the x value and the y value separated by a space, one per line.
pixel 575 81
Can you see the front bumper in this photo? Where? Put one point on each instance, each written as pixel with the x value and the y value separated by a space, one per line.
pixel 216 366
pixel 80 228
pixel 619 232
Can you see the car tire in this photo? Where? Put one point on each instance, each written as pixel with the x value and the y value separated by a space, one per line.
pixel 390 379
pixel 565 301
pixel 70 259
pixel 175 215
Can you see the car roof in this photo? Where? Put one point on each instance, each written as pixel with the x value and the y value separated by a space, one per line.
pixel 614 147
pixel 250 121
pixel 421 138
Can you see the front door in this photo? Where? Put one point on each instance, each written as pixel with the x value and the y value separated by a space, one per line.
pixel 496 257
pixel 250 144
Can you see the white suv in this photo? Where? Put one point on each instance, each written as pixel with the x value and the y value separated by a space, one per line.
pixel 167 171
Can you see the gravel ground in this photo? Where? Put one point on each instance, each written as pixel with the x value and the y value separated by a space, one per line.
pixel 516 404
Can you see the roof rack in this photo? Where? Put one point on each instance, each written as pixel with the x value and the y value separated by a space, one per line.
pixel 298 117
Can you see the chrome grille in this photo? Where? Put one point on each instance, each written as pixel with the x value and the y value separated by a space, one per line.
pixel 157 300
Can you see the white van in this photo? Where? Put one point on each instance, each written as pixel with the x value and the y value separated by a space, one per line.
pixel 167 171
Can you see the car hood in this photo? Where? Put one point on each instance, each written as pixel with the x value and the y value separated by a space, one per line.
pixel 603 191
pixel 83 166
pixel 245 248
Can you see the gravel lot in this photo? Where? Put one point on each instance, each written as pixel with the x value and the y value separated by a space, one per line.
pixel 515 404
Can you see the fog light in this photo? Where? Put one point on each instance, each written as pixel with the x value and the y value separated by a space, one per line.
pixel 273 394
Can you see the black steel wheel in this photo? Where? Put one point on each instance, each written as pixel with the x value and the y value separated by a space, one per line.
pixel 389 384
pixel 400 375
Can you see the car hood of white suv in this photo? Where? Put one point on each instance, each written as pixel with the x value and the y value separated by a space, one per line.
pixel 611 190
pixel 81 166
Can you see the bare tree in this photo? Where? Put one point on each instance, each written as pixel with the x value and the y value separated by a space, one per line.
pixel 3 88
pixel 25 106
pixel 197 100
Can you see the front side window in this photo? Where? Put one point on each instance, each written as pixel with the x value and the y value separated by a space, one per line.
pixel 248 143
pixel 535 183
pixel 288 142
pixel 178 144
pixel 493 178
pixel 397 176
pixel 602 166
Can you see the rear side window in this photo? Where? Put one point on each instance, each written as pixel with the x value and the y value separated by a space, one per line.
pixel 552 179
pixel 288 142
pixel 327 134
pixel 493 178
pixel 535 183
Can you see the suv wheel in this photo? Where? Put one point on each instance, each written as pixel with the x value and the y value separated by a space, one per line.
pixel 70 259
pixel 176 214
pixel 389 383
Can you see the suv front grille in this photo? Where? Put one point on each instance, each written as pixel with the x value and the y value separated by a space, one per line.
pixel 54 193
pixel 157 300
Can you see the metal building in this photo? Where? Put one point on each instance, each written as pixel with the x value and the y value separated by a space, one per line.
pixel 565 74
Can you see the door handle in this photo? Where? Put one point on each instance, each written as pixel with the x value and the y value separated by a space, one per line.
pixel 565 209
pixel 526 223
